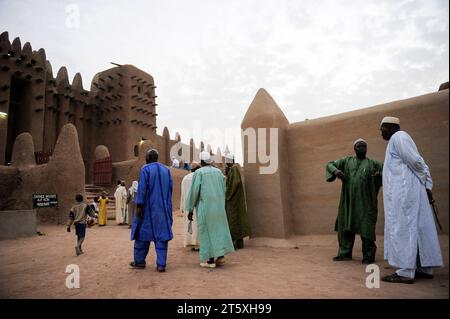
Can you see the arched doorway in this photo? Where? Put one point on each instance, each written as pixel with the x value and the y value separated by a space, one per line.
pixel 17 113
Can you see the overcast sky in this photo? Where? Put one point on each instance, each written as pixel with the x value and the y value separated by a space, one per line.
pixel 209 58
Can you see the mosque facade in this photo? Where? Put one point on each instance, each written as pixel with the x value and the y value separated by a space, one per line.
pixel 118 111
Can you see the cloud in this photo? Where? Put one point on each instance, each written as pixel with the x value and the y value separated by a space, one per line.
pixel 209 58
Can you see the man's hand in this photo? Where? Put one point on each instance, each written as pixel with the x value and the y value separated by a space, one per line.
pixel 375 173
pixel 68 229
pixel 190 216
pixel 139 213
pixel 430 196
pixel 339 174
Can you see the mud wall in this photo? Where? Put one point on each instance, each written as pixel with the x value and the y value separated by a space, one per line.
pixel 310 144
pixel 314 202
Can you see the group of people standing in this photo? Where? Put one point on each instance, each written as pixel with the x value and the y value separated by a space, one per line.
pixel 216 221
pixel 212 204
pixel 125 202
pixel 411 243
pixel 125 205
pixel 235 205
pixel 180 164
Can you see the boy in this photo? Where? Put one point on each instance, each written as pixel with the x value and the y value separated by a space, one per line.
pixel 94 206
pixel 77 216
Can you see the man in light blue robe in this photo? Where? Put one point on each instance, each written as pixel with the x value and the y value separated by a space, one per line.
pixel 411 243
pixel 207 195
pixel 153 220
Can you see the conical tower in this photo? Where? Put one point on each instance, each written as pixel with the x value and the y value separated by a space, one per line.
pixel 266 167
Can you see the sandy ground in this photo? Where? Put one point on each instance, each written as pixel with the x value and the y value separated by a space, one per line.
pixel 301 268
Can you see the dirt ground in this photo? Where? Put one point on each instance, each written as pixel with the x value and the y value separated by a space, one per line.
pixel 298 268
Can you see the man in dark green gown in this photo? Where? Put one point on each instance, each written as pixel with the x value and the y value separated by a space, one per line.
pixel 361 180
pixel 236 206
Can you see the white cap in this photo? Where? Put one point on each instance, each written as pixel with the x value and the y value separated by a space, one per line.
pixel 390 119
pixel 205 156
pixel 359 140
pixel 229 158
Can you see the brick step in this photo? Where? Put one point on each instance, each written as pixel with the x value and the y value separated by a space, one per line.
pixel 93 187
pixel 94 190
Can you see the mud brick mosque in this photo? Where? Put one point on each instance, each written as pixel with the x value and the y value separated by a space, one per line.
pixel 114 120
pixel 53 132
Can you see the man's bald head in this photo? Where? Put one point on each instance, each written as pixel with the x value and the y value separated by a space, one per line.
pixel 151 156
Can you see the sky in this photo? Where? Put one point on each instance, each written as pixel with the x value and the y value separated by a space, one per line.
pixel 209 57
